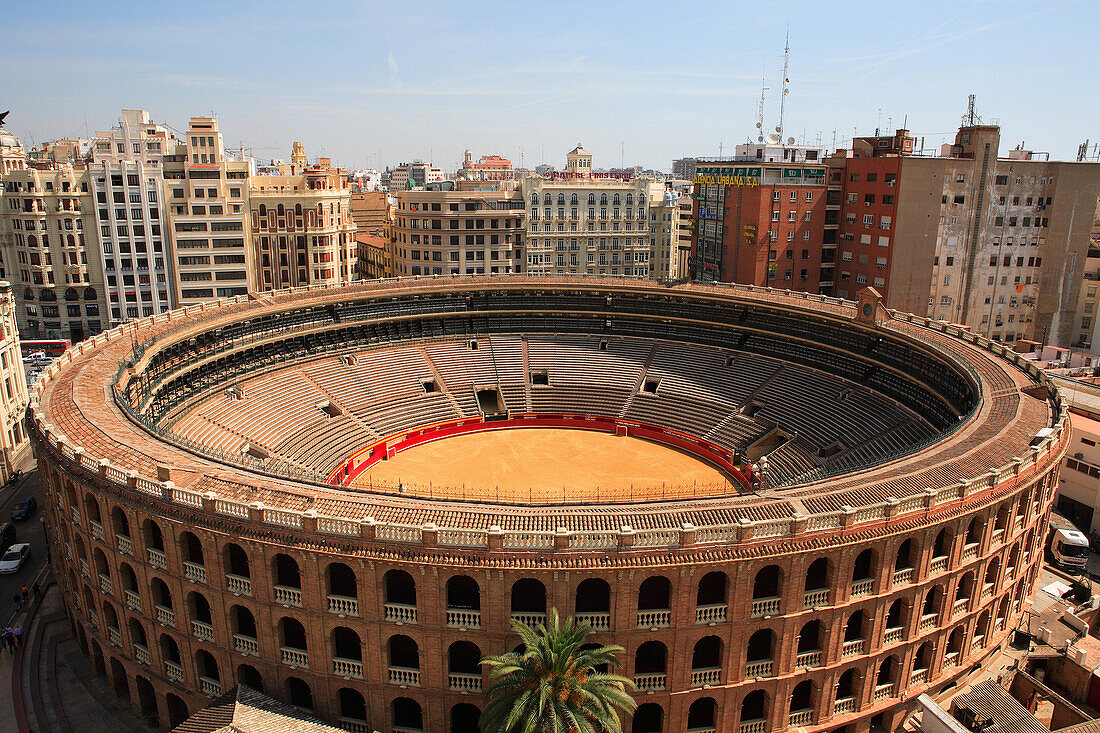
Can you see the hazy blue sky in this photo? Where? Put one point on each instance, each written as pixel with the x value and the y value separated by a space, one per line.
pixel 376 83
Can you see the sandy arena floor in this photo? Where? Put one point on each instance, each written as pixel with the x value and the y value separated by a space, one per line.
pixel 546 464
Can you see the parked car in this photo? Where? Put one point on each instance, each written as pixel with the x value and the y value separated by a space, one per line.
pixel 24 509
pixel 34 357
pixel 13 559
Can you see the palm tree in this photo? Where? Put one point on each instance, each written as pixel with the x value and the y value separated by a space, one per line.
pixel 555 685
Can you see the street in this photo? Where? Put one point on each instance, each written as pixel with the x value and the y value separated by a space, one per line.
pixel 29 530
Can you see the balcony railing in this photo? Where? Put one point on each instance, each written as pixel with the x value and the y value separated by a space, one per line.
pixel 902 576
pixel 706 676
pixel 800 717
pixel 238 585
pixel 765 606
pixel 650 681
pixel 104 584
pixel 194 572
pixel 759 668
pixel 928 620
pixel 862 587
pixel 950 659
pixel 819 597
pixel 400 613
pixel 84 570
pixel 892 635
pixel 461 618
pixel 970 550
pixel 165 616
pixel 294 657
pixel 655 619
pixel 753 726
pixel 810 658
pixel 202 630
pixel 597 621
pixel 884 691
pixel 114 636
pixel 157 558
pixel 853 646
pixel 938 564
pixel 404 676
pixel 141 654
pixel 210 687
pixel 97 529
pixel 959 606
pixel 125 546
pixel 133 600
pixel 919 676
pixel 288 596
pixel 464 682
pixel 844 705
pixel 353 725
pixel 711 614
pixel 173 671
pixel 247 645
pixel 347 667
pixel 343 605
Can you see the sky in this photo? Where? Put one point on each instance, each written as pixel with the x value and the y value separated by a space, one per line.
pixel 375 84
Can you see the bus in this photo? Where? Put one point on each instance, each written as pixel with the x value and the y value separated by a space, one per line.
pixel 52 348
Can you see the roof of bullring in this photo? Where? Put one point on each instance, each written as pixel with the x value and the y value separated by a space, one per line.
pixel 77 403
pixel 244 710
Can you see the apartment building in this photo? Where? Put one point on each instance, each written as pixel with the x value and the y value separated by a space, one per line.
pixel 207 199
pixel 411 175
pixel 486 168
pixel 301 227
pixel 375 256
pixel 13 400
pixel 448 232
pixel 127 175
pixel 666 229
pixel 372 211
pixel 582 223
pixel 684 168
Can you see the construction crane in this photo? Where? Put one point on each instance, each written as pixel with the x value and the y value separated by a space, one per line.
pixel 250 148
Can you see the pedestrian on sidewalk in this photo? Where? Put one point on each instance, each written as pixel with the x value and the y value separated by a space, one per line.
pixel 25 593
pixel 36 589
pixel 16 600
pixel 17 632
pixel 9 639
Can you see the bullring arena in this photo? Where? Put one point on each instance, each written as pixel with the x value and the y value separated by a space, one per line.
pixel 341 497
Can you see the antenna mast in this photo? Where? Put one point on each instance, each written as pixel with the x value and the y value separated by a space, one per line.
pixel 786 91
pixel 760 107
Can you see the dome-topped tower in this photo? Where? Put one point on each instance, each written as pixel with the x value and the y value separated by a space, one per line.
pixel 12 155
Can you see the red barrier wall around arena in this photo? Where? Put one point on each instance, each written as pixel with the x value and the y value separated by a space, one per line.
pixel 390 446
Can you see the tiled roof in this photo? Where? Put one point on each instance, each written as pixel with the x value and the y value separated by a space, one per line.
pixel 244 710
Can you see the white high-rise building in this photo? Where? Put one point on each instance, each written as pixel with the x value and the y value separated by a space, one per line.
pixel 127 173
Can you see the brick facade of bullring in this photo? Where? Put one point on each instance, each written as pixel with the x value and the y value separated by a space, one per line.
pixel 100 582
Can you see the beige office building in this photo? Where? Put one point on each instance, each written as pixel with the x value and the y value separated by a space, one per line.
pixel 207 200
pixel 459 232
pixel 668 218
pixel 13 401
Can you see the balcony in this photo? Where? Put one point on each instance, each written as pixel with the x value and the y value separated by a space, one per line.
pixel 753 726
pixel 133 600
pixel 404 676
pixel 343 606
pixel 903 576
pixel 760 668
pixel 76 516
pixel 459 618
pixel 938 564
pixel 114 636
pixel 210 687
pixel 165 616
pixel 354 726
pixel 246 645
pixel 104 585
pixel 402 613
pixel 464 682
pixel 141 654
pixel 927 621
pixel 238 585
pixel 194 572
pixel 294 657
pixel 800 717
pixel 765 607
pixel 84 568
pixel 596 621
pixel 287 596
pixel 862 587
pixel 970 551
pixel 810 658
pixel 347 668
pixel 815 598
pixel 650 681
pixel 919 676
pixel 892 635
pixel 711 614
pixel 959 606
pixel 202 630
pixel 706 676
pixel 884 691
pixel 950 659
pixel 125 546
pixel 658 619
pixel 844 705
pixel 173 670
pixel 157 558
pixel 97 529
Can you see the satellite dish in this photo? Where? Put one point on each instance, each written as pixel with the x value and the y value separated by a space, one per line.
pixel 758 125
pixel 779 128
pixel 760 138
pixel 790 141
pixel 773 138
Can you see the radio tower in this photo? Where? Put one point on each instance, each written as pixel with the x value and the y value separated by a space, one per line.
pixel 786 81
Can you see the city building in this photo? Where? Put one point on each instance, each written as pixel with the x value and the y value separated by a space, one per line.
pixel 410 175
pixel 375 256
pixel 127 175
pixel 470 232
pixel 206 195
pixel 365 179
pixel 486 168
pixel 301 226
pixel 372 211
pixel 684 168
pixel 579 222
pixel 666 229
pixel 13 401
